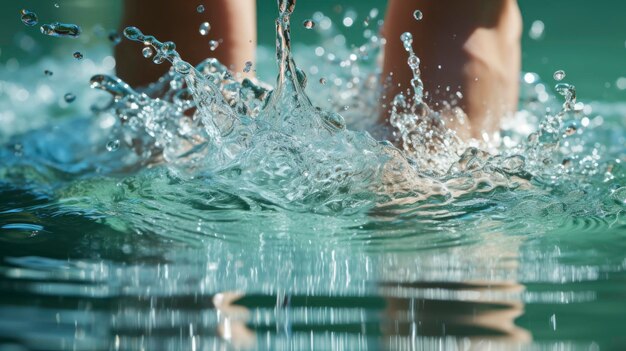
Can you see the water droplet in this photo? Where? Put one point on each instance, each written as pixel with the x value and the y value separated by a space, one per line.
pixel 29 18
pixel 113 145
pixel 559 75
pixel 48 73
pixel 57 29
pixel 323 81
pixel 248 66
pixel 213 44
pixel 335 120
pixel 536 30
pixel 308 24
pixel 56 5
pixel 406 37
pixel 78 55
pixel 132 33
pixel 147 52
pixel 200 8
pixel 418 15
pixel 69 98
pixel 205 27
pixel 115 38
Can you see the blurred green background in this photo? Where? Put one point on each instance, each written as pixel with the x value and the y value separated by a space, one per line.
pixel 586 39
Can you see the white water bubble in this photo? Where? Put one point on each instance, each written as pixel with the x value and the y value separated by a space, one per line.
pixel 349 18
pixel 559 75
pixel 113 145
pixel 205 27
pixel 418 15
pixel 537 30
pixel 308 24
pixel 620 83
pixel 147 52
pixel 531 78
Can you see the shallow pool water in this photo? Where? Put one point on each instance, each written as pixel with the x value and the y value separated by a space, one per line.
pixel 282 229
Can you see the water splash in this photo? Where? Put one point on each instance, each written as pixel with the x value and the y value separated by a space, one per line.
pixel 279 146
pixel 63 30
pixel 422 131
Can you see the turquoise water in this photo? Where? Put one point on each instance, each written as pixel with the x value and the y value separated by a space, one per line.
pixel 296 233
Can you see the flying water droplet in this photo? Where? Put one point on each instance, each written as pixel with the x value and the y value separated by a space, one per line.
pixel 78 55
pixel 48 73
pixel 200 8
pixel 147 52
pixel 132 33
pixel 418 15
pixel 56 5
pixel 113 145
pixel 57 29
pixel 205 27
pixel 29 18
pixel 536 30
pixel 308 24
pixel 213 44
pixel 323 81
pixel 559 75
pixel 569 92
pixel 69 98
pixel 407 40
pixel 248 66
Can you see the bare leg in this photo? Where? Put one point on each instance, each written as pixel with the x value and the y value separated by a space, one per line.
pixel 232 21
pixel 469 46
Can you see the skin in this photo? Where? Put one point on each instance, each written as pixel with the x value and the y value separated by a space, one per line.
pixel 476 43
pixel 178 21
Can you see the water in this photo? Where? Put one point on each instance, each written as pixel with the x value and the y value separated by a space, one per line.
pixel 267 223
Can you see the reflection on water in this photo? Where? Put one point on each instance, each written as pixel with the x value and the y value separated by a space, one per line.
pixel 78 284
